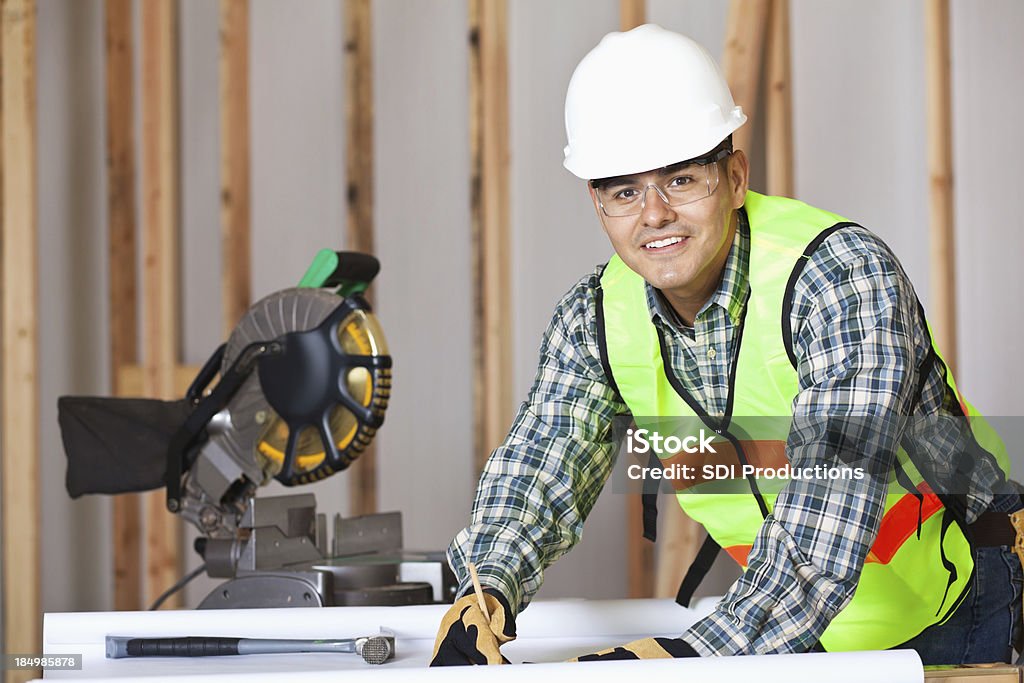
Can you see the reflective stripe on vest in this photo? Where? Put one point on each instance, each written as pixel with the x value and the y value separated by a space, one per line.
pixel 920 565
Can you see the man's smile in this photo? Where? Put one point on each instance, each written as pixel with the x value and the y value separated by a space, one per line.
pixel 666 245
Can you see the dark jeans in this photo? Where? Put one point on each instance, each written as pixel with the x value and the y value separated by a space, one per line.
pixel 985 626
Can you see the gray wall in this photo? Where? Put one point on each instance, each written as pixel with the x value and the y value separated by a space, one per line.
pixel 73 353
pixel 859 122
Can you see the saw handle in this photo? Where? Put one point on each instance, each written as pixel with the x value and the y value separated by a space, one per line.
pixel 350 271
pixel 354 267
pixel 206 374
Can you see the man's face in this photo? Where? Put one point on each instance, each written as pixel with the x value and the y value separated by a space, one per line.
pixel 694 238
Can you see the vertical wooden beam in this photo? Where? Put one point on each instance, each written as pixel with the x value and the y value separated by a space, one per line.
pixel 122 291
pixel 359 124
pixel 640 557
pixel 19 420
pixel 632 13
pixel 741 64
pixel 778 103
pixel 160 272
pixel 639 551
pixel 940 175
pixel 489 149
pixel 362 479
pixel 741 61
pixel 640 569
pixel 236 251
pixel 678 542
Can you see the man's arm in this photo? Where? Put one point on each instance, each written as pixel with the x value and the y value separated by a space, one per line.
pixel 857 345
pixel 539 486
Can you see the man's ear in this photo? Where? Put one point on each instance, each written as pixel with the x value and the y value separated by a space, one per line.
pixel 737 170
pixel 597 204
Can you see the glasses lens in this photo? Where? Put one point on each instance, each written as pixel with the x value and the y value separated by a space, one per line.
pixel 626 196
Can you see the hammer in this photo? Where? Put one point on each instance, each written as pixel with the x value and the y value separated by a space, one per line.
pixel 373 649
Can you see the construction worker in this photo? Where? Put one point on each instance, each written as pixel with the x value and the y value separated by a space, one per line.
pixel 718 303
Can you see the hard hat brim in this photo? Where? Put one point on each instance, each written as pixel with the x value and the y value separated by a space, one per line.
pixel 640 159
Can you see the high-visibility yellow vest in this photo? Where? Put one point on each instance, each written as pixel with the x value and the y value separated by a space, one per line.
pixel 920 565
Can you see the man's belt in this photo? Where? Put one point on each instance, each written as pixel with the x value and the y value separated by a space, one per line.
pixel 993 529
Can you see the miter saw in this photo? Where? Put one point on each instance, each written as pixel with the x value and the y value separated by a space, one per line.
pixel 302 384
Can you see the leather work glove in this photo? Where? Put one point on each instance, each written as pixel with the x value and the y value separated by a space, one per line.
pixel 645 648
pixel 466 637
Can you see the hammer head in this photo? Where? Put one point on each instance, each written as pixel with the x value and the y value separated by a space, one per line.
pixel 376 649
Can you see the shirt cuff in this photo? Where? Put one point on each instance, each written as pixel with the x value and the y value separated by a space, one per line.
pixel 711 637
pixel 493 580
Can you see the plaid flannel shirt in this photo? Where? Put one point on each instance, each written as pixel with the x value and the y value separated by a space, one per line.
pixel 858 342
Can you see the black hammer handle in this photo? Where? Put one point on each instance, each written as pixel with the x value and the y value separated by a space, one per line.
pixel 190 646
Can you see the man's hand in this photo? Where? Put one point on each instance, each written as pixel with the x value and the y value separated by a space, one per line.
pixel 646 648
pixel 467 637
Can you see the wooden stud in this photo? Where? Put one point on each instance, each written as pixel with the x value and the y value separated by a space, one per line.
pixel 122 290
pixel 19 419
pixel 362 476
pixel 640 572
pixel 632 13
pixel 741 61
pixel 160 272
pixel 359 124
pixel 778 116
pixel 489 153
pixel 236 288
pixel 131 378
pixel 121 182
pixel 678 542
pixel 127 539
pixel 942 311
pixel 640 552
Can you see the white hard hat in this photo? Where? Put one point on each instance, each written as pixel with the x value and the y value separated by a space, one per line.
pixel 644 99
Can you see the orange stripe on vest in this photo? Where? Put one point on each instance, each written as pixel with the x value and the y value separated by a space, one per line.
pixel 898 524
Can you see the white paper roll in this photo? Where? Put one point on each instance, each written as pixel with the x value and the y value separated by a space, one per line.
pixel 549 632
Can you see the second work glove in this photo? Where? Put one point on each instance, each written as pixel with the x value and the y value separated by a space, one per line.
pixel 645 648
pixel 467 637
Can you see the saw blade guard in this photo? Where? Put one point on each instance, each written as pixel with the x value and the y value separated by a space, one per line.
pixel 323 393
pixel 350 424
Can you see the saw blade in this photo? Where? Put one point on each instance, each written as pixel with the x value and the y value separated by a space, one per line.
pixel 297 310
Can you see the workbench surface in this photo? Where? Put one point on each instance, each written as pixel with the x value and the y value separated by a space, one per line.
pixel 549 632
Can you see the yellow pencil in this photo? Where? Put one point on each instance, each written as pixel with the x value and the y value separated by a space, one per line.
pixel 479 591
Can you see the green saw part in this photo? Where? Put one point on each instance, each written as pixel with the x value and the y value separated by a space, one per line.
pixel 322 273
pixel 350 288
pixel 323 266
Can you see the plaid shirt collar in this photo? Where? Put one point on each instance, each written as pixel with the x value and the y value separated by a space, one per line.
pixel 732 290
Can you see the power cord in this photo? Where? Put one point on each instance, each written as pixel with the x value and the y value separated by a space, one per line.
pixel 182 582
